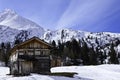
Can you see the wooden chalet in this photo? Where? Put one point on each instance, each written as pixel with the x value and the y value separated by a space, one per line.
pixel 32 55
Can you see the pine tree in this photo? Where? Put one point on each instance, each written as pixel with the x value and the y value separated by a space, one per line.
pixel 62 35
pixel 53 43
pixel 54 50
pixel 60 48
pixel 113 55
pixel 75 51
pixel 96 41
pixel 7 53
pixel 2 52
pixel 84 54
pixel 68 50
pixel 93 57
pixel 101 57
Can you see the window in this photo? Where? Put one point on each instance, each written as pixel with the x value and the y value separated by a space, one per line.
pixel 30 53
pixel 31 45
pixel 44 52
pixel 41 52
pixel 21 53
pixel 45 65
pixel 37 52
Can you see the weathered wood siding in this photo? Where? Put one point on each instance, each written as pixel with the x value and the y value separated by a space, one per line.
pixel 25 67
pixel 55 62
pixel 34 44
pixel 30 56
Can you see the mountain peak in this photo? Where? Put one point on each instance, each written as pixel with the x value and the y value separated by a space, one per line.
pixel 10 18
pixel 6 15
pixel 9 11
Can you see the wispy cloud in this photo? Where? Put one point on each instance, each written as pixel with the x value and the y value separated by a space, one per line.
pixel 90 15
pixel 87 13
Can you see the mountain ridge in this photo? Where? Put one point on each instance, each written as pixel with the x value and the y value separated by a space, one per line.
pixel 100 42
pixel 12 24
pixel 8 32
pixel 10 18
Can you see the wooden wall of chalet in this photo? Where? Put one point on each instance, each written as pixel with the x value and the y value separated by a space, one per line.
pixel 33 56
pixel 31 46
pixel 34 44
pixel 25 67
pixel 55 62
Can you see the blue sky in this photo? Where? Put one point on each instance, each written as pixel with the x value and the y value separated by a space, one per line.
pixel 87 15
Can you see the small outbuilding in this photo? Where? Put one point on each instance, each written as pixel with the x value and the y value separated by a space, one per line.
pixel 31 56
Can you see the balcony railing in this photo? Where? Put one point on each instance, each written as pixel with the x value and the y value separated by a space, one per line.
pixel 33 57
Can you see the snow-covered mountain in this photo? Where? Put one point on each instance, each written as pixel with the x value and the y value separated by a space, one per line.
pixel 11 24
pixel 101 40
pixel 12 19
pixel 14 27
pixel 68 34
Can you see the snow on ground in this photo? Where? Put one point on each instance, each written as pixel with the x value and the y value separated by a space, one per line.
pixel 101 72
pixel 32 77
pixel 5 70
pixel 65 78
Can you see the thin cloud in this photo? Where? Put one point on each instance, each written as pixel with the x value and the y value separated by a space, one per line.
pixel 86 13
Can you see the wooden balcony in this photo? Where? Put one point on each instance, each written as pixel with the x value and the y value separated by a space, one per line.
pixel 33 57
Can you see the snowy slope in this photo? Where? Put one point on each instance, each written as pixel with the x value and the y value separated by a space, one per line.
pixel 5 70
pixel 99 40
pixel 11 24
pixel 68 35
pixel 12 19
pixel 8 34
pixel 89 37
pixel 101 72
